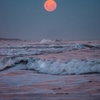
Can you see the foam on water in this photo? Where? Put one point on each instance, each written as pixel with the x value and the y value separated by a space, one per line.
pixel 29 49
pixel 58 67
pixel 47 41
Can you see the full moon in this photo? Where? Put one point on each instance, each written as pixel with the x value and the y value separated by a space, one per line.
pixel 50 5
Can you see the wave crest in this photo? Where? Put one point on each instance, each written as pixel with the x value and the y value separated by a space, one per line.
pixel 56 67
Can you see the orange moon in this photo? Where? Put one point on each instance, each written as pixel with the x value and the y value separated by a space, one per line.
pixel 50 5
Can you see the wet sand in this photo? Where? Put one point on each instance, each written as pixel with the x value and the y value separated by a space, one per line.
pixel 28 85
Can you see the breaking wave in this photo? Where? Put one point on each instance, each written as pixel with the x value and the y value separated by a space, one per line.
pixel 55 67
pixel 47 41
pixel 30 49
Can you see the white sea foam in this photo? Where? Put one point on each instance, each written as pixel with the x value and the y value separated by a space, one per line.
pixel 31 49
pixel 74 66
pixel 47 41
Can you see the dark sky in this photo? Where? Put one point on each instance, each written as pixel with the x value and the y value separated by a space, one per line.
pixel 72 20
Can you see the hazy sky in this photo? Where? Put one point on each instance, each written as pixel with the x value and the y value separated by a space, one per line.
pixel 72 20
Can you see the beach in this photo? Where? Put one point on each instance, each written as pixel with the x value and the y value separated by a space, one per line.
pixel 20 80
